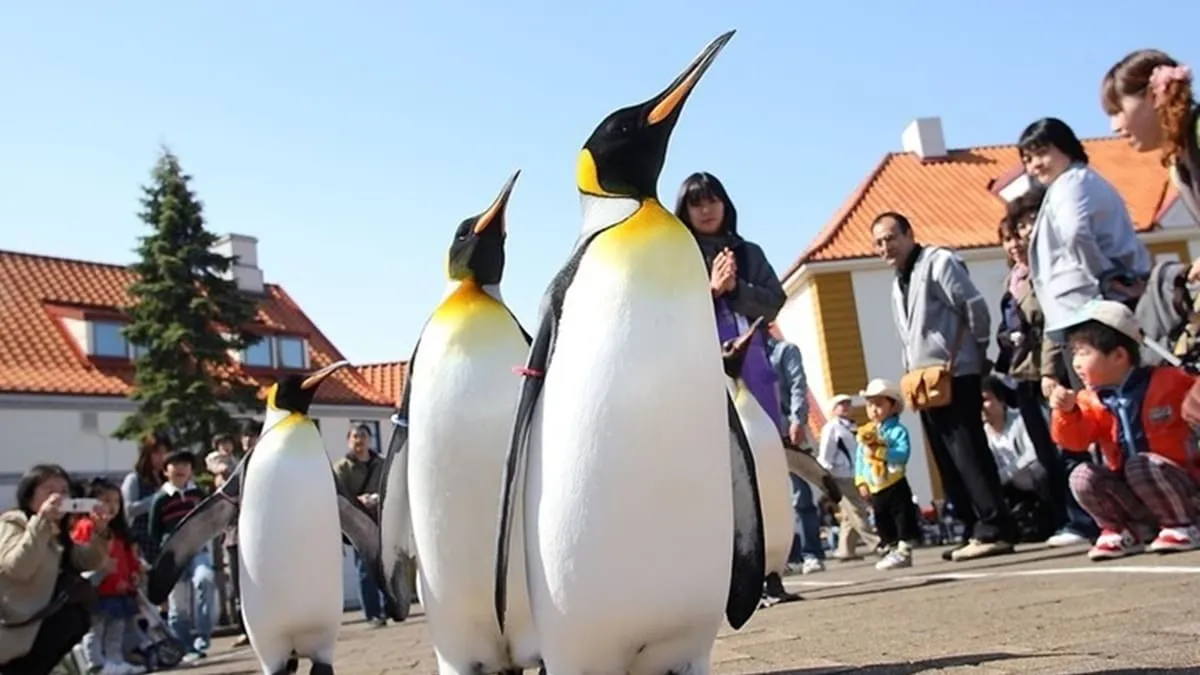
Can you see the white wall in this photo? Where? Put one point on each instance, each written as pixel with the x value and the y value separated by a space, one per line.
pixel 798 322
pixel 881 344
pixel 81 442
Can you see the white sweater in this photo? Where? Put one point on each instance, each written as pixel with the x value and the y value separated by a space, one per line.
pixel 829 455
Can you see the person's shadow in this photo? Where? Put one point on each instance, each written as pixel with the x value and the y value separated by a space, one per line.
pixel 935 664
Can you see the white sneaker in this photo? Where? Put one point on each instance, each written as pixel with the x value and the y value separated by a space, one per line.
pixel 1065 538
pixel 812 566
pixel 899 557
pixel 116 668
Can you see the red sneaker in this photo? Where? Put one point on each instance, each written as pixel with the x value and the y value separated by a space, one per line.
pixel 1174 539
pixel 1112 545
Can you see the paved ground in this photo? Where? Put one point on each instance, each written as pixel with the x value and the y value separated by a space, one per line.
pixel 1039 611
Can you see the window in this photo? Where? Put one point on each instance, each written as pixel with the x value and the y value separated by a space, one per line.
pixel 258 354
pixel 108 340
pixel 373 427
pixel 137 351
pixel 291 352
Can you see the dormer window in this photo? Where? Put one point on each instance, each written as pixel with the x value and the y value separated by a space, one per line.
pixel 108 340
pixel 285 352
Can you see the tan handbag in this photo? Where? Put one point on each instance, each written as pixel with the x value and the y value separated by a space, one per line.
pixel 931 386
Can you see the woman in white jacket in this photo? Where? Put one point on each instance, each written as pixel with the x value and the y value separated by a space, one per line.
pixel 835 452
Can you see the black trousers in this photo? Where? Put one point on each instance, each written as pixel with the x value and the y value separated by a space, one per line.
pixel 895 514
pixel 1029 404
pixel 57 635
pixel 231 557
pixel 966 464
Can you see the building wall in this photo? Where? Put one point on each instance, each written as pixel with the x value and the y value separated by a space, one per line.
pixel 799 322
pixel 80 441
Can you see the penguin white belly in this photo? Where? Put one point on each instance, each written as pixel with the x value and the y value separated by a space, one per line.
pixel 464 397
pixel 629 503
pixel 289 537
pixel 774 483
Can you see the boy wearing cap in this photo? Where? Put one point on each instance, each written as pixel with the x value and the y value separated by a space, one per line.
pixel 880 473
pixel 189 606
pixel 1150 472
pixel 836 452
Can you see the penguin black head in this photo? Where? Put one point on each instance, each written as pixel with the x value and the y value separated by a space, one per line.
pixel 733 352
pixel 477 251
pixel 295 393
pixel 624 155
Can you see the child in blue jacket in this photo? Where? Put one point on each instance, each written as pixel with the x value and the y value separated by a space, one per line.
pixel 879 473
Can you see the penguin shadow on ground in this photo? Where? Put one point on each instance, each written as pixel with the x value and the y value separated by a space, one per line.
pixel 875 587
pixel 914 667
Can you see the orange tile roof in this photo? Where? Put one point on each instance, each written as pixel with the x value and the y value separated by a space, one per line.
pixel 37 356
pixel 387 378
pixel 951 203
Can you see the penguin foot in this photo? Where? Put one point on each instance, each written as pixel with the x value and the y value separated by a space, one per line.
pixel 293 664
pixel 320 669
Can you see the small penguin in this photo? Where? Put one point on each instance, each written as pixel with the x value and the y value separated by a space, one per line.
pixel 774 483
pixel 290 519
pixel 445 464
pixel 623 420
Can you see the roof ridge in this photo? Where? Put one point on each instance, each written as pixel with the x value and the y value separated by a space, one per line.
pixel 57 258
pixel 376 364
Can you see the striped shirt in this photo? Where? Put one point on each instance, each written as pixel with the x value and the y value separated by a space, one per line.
pixel 170 506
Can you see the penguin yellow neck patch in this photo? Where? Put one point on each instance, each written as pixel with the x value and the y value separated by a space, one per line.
pixel 467 299
pixel 586 176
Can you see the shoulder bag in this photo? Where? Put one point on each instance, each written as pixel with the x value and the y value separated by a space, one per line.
pixel 930 387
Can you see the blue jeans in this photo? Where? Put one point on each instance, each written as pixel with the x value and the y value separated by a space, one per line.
pixel 190 604
pixel 807 543
pixel 368 592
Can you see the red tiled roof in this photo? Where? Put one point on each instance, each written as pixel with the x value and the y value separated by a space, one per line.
pixel 387 378
pixel 950 200
pixel 38 356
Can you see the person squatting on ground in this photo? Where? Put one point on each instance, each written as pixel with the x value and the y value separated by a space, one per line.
pixel 880 473
pixel 1148 481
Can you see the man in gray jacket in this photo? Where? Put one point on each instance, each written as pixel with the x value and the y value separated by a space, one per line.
pixel 939 313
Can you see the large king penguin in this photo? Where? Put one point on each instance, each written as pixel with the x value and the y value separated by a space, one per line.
pixel 290 519
pixel 770 462
pixel 633 456
pixel 444 467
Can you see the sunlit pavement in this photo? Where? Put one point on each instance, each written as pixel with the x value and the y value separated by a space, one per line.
pixel 1037 611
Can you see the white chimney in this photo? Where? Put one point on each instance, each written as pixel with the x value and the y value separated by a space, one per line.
pixel 924 137
pixel 244 249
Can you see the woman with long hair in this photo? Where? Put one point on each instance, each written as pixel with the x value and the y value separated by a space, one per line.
pixel 140 485
pixel 743 284
pixel 1149 100
pixel 43 616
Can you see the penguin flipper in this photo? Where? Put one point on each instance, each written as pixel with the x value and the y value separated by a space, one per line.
pixel 359 527
pixel 531 390
pixel 749 549
pixel 397 551
pixel 200 526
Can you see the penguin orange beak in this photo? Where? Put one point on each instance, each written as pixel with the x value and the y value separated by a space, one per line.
pixel 315 379
pixel 496 210
pixel 671 100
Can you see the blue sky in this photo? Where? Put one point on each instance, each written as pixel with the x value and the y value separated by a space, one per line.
pixel 351 138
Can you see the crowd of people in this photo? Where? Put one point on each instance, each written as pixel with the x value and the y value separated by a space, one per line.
pixel 1070 435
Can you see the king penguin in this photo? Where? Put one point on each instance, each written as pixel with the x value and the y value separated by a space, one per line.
pixel 770 462
pixel 444 467
pixel 290 520
pixel 632 455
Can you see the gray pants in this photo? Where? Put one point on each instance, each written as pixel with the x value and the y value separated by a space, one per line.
pixel 854 527
pixel 105 642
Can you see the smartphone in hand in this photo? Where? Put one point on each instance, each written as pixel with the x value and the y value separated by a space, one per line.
pixel 81 505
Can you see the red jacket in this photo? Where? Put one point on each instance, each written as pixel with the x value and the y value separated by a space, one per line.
pixel 123 579
pixel 1167 433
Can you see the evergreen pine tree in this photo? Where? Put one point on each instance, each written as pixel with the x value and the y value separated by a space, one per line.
pixel 185 318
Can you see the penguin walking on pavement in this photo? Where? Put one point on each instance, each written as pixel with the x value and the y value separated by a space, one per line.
pixel 774 483
pixel 444 466
pixel 290 522
pixel 625 440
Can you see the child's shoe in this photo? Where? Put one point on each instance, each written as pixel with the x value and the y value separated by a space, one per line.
pixel 1111 545
pixel 1175 539
pixel 900 556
